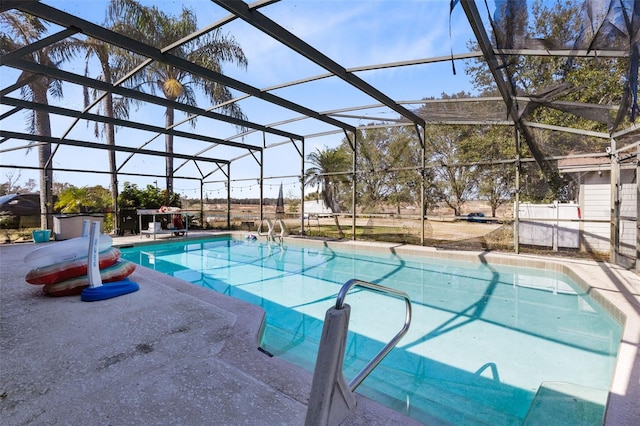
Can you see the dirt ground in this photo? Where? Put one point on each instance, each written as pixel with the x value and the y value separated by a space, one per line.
pixel 437 229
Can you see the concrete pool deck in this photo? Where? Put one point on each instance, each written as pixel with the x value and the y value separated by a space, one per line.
pixel 175 353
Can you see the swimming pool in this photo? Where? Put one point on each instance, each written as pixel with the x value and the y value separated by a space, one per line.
pixel 484 341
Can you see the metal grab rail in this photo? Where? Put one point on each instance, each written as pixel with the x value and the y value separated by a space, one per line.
pixel 269 227
pixel 355 382
pixel 272 229
pixel 283 228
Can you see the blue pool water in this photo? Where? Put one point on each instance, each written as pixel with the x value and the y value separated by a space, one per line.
pixel 483 342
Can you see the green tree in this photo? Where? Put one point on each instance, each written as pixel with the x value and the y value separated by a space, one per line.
pixel 496 179
pixel 17 30
pixel 558 84
pixel 326 167
pixel 211 50
pixel 131 197
pixel 387 162
pixel 405 161
pixel 371 160
pixel 582 80
pixel 455 178
pixel 588 81
pixel 451 150
pixel 87 199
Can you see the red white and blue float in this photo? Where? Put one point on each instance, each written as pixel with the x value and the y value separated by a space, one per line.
pixel 80 265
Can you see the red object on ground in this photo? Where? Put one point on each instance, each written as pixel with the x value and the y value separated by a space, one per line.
pixel 66 270
pixel 74 286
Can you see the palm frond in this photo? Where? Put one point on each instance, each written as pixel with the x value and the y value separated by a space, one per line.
pixel 55 88
pixel 121 107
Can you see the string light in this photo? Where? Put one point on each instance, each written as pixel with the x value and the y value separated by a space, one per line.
pixel 208 192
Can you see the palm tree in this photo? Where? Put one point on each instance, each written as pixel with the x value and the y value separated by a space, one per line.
pixel 324 164
pixel 20 29
pixel 151 25
pixel 111 106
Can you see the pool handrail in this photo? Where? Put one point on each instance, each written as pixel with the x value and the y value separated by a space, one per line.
pixel 283 229
pixel 269 227
pixel 272 229
pixel 342 294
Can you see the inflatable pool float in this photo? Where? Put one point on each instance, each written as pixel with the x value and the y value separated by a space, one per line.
pixel 74 286
pixel 64 251
pixel 66 270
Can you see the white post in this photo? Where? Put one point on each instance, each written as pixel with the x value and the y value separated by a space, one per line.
pixel 556 225
pixel 93 267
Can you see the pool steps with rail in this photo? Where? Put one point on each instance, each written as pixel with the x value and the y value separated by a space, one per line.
pixel 449 407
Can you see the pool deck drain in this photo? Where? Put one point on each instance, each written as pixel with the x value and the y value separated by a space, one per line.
pixel 175 353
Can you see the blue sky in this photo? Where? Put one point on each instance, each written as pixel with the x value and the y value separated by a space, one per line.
pixel 351 32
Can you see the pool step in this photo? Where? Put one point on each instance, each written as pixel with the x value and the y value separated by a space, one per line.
pixel 434 401
pixel 566 403
pixel 294 348
pixel 437 400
